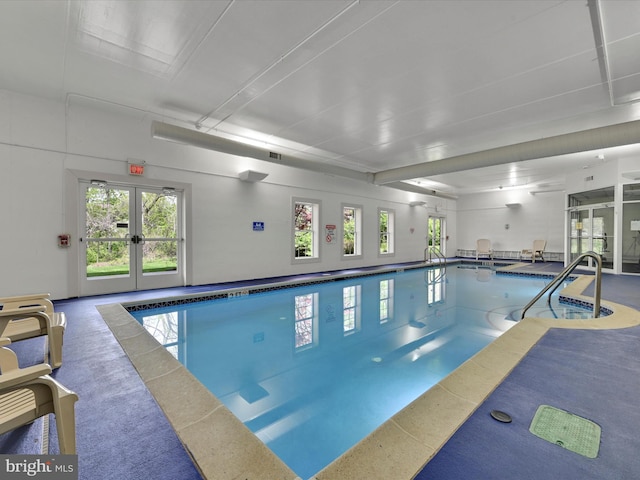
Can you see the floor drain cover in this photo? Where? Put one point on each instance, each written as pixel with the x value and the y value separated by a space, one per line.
pixel 566 430
pixel 501 416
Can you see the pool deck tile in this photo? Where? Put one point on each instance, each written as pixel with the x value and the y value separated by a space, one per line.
pixel 389 452
pixel 226 451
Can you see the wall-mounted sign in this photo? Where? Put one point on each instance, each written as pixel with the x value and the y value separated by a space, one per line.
pixel 258 226
pixel 136 169
pixel 330 233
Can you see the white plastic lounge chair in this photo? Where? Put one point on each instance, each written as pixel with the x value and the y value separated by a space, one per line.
pixel 483 248
pixel 29 316
pixel 29 393
pixel 536 251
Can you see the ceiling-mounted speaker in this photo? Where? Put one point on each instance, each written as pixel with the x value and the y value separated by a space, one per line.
pixel 252 176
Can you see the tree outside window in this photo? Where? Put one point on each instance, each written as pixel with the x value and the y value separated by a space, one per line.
pixel 305 229
pixel 385 229
pixel 351 230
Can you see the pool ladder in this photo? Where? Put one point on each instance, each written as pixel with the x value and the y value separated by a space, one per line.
pixel 434 250
pixel 562 276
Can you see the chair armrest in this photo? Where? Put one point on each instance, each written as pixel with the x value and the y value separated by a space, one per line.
pixel 22 312
pixel 19 376
pixel 40 299
pixel 23 298
pixel 4 341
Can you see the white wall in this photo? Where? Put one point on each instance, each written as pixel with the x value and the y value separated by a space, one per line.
pixel 485 215
pixel 45 146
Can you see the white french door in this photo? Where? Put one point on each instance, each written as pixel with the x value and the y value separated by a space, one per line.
pixel 591 229
pixel 131 238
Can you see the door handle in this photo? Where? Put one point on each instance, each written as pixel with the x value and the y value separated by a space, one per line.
pixel 136 239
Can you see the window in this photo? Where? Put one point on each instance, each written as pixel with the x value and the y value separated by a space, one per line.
pixel 386 300
pixel 351 231
pixel 385 229
pixel 305 229
pixel 350 310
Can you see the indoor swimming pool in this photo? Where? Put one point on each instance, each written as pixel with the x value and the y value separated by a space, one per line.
pixel 313 369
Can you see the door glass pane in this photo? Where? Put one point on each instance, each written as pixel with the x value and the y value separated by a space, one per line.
pixel 631 237
pixel 592 197
pixel 602 234
pixel 435 233
pixel 159 212
pixel 631 192
pixel 579 234
pixel 107 226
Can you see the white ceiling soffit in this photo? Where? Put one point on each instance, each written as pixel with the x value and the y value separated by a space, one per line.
pixel 174 133
pixel 594 139
pixel 586 140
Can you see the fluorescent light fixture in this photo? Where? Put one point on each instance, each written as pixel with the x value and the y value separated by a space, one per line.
pixel 417 203
pixel 252 176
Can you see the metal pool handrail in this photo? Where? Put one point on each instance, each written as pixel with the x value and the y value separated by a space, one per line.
pixel 562 276
pixel 434 249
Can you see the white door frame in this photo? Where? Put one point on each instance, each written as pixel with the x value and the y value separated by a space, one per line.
pixel 75 202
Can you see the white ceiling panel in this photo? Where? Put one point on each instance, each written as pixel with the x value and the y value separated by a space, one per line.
pixel 368 85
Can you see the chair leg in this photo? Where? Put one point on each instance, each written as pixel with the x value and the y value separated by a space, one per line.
pixel 55 339
pixel 66 424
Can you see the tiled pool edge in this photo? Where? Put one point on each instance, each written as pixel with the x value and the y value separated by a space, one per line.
pixel 397 449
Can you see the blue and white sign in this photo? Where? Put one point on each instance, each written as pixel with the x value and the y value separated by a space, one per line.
pixel 258 226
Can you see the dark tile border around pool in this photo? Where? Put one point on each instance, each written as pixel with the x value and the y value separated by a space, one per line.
pixel 269 287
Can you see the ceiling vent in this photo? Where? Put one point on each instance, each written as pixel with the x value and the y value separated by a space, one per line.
pixel 632 175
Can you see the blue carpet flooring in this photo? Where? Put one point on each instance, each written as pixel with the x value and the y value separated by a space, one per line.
pixel 592 374
pixel 123 434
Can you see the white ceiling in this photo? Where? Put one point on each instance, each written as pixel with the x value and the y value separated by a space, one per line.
pixel 368 85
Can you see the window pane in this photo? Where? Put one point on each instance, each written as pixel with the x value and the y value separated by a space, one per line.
pixel 384 225
pixel 303 230
pixel 385 228
pixel 304 236
pixel 349 231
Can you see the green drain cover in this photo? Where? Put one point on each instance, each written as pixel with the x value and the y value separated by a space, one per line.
pixel 567 430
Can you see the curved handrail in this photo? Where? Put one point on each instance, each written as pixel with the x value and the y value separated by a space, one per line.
pixel 433 249
pixel 562 276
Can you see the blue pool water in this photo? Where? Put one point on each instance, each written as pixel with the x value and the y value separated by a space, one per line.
pixel 312 370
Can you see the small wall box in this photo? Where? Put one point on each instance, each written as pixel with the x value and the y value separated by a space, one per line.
pixel 64 240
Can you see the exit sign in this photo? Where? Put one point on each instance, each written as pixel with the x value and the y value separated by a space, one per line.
pixel 136 169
